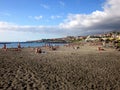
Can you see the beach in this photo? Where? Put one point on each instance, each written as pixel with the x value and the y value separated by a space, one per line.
pixel 66 68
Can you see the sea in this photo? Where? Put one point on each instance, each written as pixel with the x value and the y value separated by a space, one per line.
pixel 29 44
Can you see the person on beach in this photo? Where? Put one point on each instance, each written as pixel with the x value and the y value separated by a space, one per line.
pixel 19 47
pixel 5 47
pixel 38 50
pixel 104 44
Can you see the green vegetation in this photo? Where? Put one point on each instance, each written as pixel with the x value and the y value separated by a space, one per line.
pixel 76 40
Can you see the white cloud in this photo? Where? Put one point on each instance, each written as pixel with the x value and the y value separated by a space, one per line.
pixel 82 21
pixel 77 24
pixel 38 17
pixel 45 6
pixel 97 21
pixel 43 30
pixel 55 17
pixel 5 26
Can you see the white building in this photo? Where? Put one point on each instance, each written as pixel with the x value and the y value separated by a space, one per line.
pixel 92 38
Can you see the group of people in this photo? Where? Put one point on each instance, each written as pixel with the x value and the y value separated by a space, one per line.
pixel 17 49
pixel 39 50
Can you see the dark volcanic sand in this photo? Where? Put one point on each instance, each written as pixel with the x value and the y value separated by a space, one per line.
pixel 59 70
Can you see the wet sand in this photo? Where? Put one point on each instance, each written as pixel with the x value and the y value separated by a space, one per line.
pixel 64 69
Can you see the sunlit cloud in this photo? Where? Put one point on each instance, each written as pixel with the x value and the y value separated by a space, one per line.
pixel 97 21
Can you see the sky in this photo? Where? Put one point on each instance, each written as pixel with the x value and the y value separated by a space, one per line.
pixel 23 20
